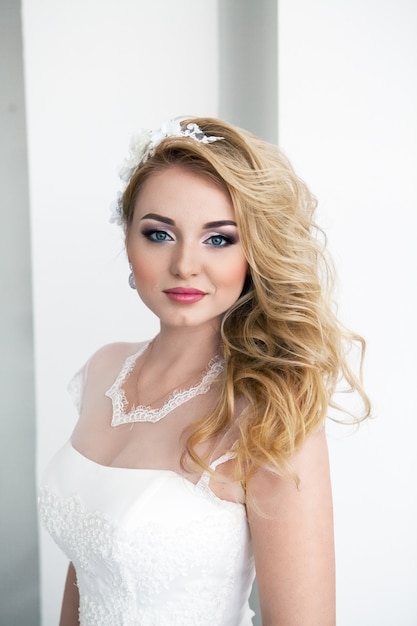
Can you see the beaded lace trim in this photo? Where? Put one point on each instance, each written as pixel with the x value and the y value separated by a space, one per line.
pixel 143 413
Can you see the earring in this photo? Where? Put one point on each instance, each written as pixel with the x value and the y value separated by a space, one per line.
pixel 131 281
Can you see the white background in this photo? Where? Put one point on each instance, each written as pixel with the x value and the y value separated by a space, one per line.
pixel 96 70
pixel 348 121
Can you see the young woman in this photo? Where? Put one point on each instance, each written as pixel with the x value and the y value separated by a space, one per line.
pixel 199 457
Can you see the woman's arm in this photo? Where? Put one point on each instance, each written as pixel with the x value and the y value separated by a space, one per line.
pixel 71 600
pixel 293 541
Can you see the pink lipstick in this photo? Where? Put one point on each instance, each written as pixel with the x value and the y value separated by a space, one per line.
pixel 184 295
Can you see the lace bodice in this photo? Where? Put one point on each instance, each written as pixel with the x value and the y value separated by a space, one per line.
pixel 150 548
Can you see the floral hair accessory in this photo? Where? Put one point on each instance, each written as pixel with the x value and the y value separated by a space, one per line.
pixel 142 146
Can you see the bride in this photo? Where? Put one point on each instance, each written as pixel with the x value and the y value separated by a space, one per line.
pixel 199 458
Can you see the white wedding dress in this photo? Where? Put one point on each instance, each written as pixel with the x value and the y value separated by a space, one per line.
pixel 150 547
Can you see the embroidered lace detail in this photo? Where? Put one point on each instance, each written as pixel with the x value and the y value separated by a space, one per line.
pixel 203 484
pixel 143 413
pixel 145 576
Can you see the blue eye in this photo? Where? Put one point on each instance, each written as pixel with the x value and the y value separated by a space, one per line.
pixel 157 235
pixel 219 241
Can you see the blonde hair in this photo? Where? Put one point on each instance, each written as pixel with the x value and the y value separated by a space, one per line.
pixel 285 350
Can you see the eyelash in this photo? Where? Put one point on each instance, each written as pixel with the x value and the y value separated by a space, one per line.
pixel 227 240
pixel 153 233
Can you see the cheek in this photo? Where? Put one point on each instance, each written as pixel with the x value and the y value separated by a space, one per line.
pixel 144 273
pixel 144 264
pixel 236 274
pixel 143 269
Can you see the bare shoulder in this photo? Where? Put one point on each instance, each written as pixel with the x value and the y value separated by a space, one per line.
pixel 310 464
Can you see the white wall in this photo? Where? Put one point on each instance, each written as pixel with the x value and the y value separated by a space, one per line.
pixel 96 70
pixel 19 566
pixel 348 120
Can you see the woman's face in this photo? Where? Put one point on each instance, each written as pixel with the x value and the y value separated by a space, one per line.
pixel 184 248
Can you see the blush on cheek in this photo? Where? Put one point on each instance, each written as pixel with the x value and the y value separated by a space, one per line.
pixel 240 274
pixel 144 276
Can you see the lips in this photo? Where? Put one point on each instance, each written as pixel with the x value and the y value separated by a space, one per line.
pixel 184 294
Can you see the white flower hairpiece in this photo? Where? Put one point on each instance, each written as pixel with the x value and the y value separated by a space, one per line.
pixel 142 146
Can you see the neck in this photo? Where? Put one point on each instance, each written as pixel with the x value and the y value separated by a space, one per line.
pixel 195 345
pixel 175 359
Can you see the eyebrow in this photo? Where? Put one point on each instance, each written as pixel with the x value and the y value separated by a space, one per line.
pixel 168 220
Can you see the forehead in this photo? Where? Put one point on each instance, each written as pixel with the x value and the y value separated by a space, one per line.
pixel 176 189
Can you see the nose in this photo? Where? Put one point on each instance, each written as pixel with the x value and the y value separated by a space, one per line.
pixel 186 260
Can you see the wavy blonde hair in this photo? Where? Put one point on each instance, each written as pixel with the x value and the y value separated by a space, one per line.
pixel 285 350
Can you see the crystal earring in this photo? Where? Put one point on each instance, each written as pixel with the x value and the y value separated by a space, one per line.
pixel 131 279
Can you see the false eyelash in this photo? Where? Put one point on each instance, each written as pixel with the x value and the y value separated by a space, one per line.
pixel 152 231
pixel 228 239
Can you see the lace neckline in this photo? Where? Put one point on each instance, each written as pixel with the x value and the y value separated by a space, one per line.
pixel 142 413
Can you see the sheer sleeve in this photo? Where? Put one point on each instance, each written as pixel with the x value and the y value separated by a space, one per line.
pixel 98 373
pixel 76 387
